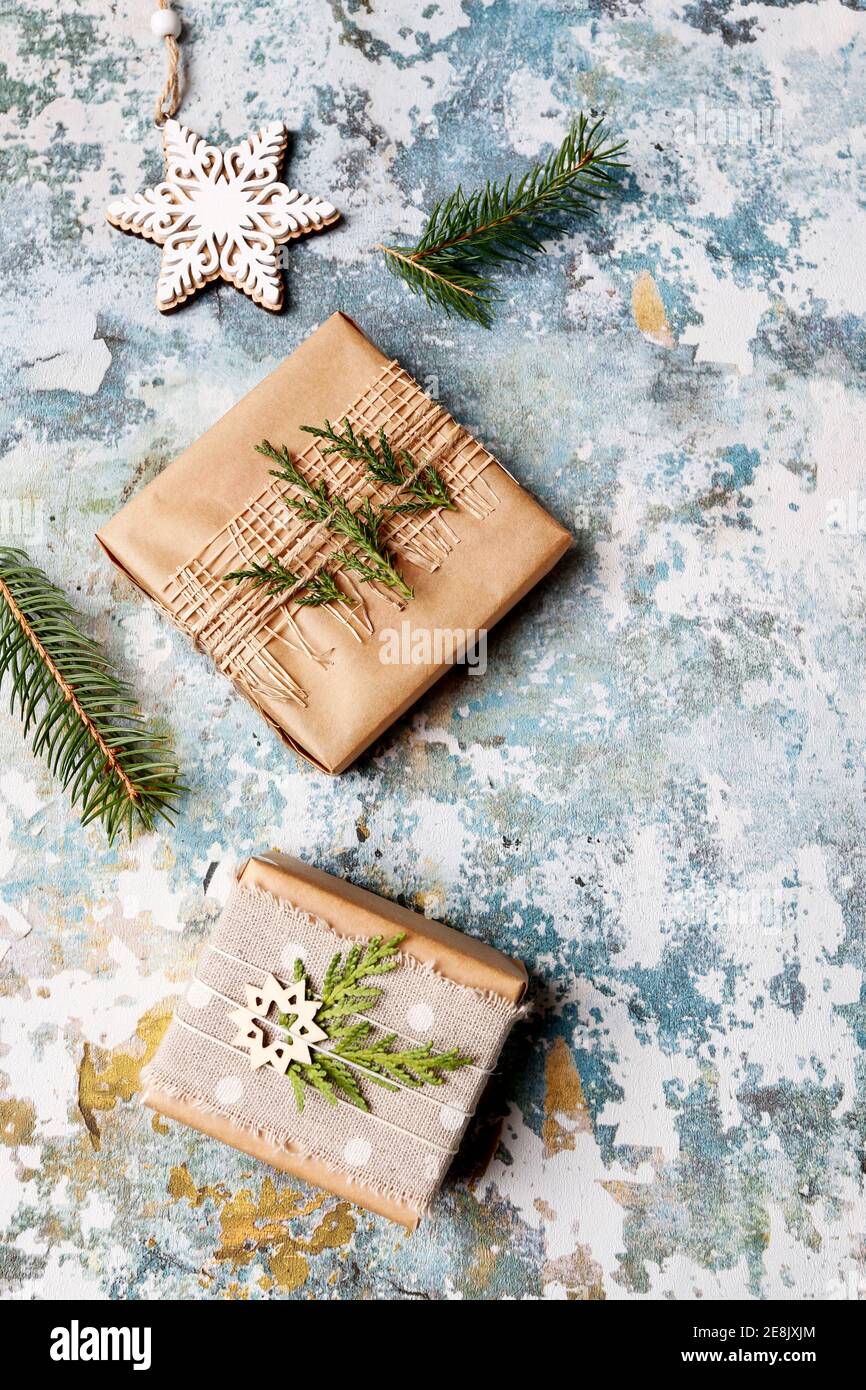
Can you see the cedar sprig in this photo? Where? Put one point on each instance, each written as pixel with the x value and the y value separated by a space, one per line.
pixel 425 487
pixel 469 235
pixel 411 1066
pixel 368 557
pixel 315 502
pixel 273 575
pixel 346 991
pixel 343 991
pixel 83 718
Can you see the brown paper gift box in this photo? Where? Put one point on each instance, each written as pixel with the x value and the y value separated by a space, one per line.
pixel 354 913
pixel 353 700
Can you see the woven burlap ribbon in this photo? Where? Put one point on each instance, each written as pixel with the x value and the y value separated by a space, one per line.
pixel 402 1148
pixel 242 627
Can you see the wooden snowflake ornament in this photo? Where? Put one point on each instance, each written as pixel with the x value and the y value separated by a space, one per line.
pixel 221 214
pixel 291 1002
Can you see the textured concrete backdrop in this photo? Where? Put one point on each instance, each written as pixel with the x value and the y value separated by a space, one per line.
pixel 655 794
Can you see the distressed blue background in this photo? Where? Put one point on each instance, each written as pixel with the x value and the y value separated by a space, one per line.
pixel 655 794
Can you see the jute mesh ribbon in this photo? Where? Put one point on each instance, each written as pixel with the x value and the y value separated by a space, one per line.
pixel 403 1147
pixel 238 625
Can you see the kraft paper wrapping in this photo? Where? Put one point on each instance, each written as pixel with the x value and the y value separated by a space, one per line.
pixel 354 699
pixel 352 913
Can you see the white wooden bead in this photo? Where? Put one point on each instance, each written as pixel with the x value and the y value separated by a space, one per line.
pixel 165 24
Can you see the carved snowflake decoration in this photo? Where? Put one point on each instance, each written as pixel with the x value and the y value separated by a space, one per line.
pixel 290 1001
pixel 221 214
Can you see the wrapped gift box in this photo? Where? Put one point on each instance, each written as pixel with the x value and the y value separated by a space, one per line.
pixel 446 990
pixel 318 676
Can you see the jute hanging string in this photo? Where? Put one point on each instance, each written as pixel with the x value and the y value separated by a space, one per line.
pixel 165 24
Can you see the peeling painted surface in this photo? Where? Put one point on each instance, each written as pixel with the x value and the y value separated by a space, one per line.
pixel 655 794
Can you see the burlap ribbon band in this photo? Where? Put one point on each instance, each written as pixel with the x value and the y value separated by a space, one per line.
pixel 238 624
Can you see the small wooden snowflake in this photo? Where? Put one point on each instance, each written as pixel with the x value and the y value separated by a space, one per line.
pixel 290 1001
pixel 221 214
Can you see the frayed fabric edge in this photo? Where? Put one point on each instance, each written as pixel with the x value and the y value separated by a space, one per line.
pixel 151 1076
pixel 502 1007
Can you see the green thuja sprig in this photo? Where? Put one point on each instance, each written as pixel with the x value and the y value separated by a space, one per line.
pixel 277 578
pixel 346 991
pixel 424 487
pixel 82 715
pixel 470 234
pixel 314 504
pixel 411 1066
pixel 367 555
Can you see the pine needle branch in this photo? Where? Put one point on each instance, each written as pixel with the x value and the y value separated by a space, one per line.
pixel 83 717
pixel 422 484
pixel 468 235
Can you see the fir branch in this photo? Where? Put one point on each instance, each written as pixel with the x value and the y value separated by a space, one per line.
pixel 316 1076
pixel 343 989
pixel 332 975
pixel 330 1078
pixel 83 716
pixel 323 588
pixel 368 557
pixel 468 235
pixel 350 1034
pixel 421 482
pixel 352 1002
